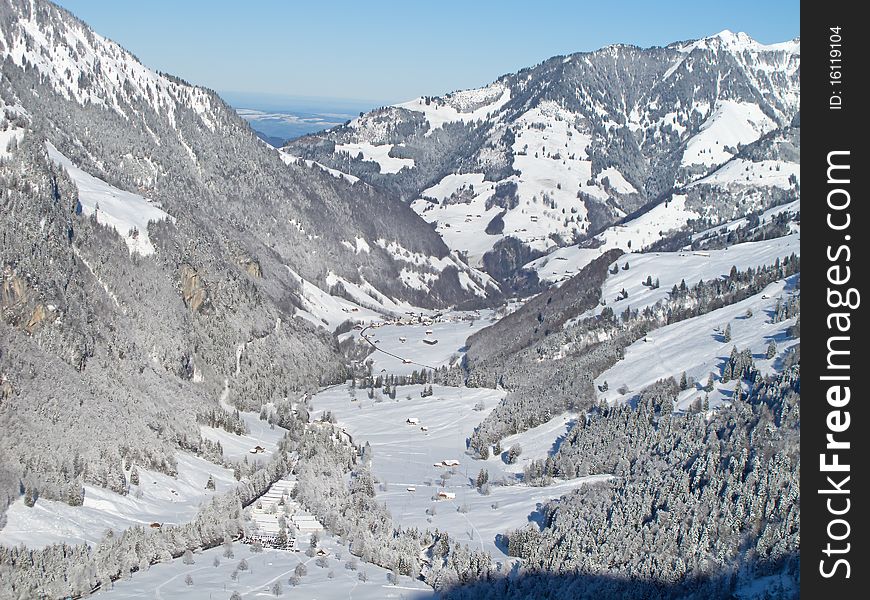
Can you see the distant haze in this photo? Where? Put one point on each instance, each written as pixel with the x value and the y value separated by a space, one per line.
pixel 279 118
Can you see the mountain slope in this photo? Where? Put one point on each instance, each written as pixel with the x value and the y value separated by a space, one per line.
pixel 156 254
pixel 555 153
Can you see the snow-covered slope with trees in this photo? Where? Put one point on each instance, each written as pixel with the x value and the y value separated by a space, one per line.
pixel 187 316
pixel 553 154
pixel 146 234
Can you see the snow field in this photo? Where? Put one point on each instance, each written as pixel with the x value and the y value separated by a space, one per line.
pixel 324 310
pixel 405 458
pixel 537 443
pixel 459 106
pixel 379 154
pixel 631 236
pixel 549 151
pixel 237 447
pixel 698 347
pixel 166 581
pixel 792 208
pixel 670 268
pixel 163 499
pixel 451 336
pixel 731 123
pixel 116 208
pixel 461 225
pixel 741 172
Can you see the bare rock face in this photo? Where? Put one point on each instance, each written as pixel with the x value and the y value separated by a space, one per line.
pixel 13 292
pixel 6 389
pixel 16 298
pixel 40 313
pixel 252 267
pixel 193 288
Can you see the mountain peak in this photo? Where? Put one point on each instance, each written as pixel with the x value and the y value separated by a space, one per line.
pixel 739 42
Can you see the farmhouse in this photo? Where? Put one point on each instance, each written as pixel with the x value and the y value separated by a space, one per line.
pixel 257 450
pixel 430 342
pixel 413 421
pixel 446 495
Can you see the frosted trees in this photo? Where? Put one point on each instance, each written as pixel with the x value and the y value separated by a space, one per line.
pixel 514 453
pixel 228 548
pixel 482 479
pixel 188 557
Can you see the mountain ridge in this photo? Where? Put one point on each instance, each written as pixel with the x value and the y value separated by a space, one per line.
pixel 611 130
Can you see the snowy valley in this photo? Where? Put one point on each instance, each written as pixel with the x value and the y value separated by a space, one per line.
pixel 535 339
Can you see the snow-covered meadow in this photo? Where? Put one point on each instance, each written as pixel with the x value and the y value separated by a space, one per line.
pixel 396 343
pixel 158 498
pixel 698 347
pixel 407 459
pixel 208 580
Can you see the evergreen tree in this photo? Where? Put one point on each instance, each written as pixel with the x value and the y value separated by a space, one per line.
pixel 709 386
pixel 134 476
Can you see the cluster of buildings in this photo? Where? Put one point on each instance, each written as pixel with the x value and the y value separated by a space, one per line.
pixel 273 508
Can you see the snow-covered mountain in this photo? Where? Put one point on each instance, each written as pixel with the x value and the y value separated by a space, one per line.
pixel 148 235
pixel 554 154
pixel 177 302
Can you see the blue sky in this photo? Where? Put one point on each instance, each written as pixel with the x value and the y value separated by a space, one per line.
pixel 387 51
